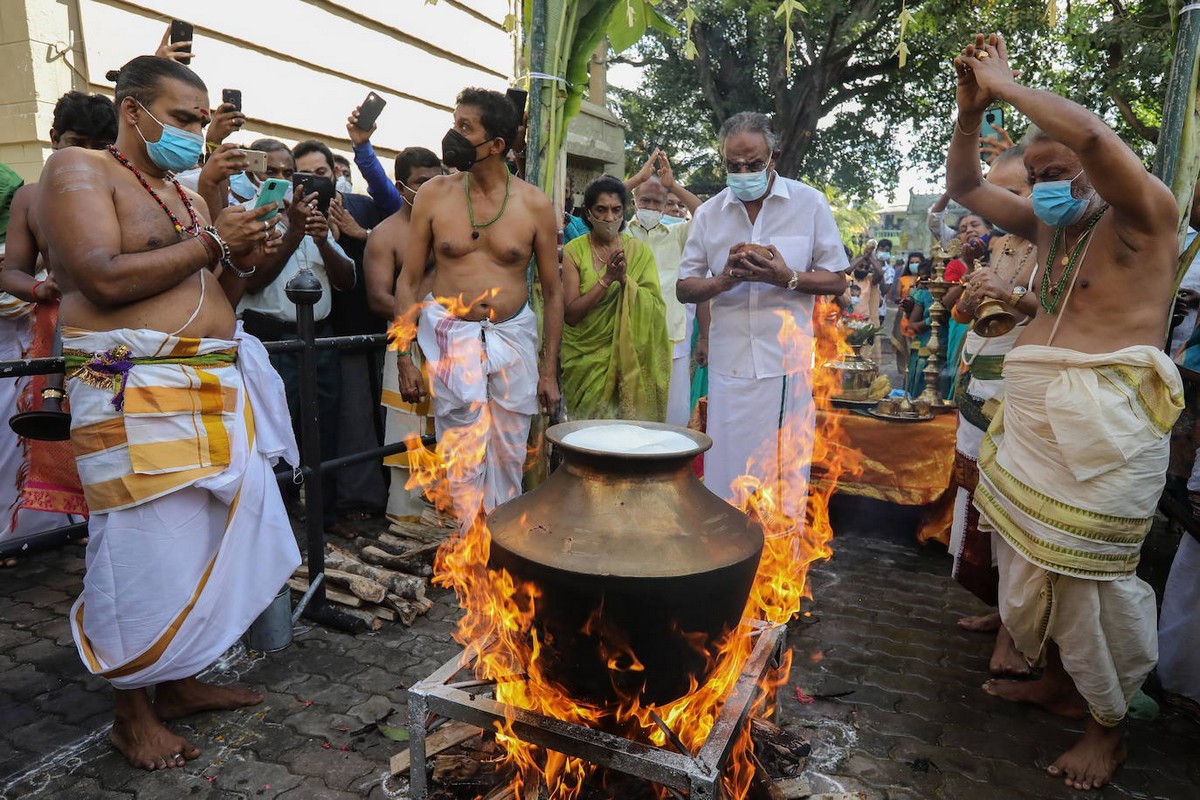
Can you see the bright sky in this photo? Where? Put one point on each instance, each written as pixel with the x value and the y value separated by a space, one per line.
pixel 627 76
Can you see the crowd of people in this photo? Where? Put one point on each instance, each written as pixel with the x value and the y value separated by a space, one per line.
pixel 148 215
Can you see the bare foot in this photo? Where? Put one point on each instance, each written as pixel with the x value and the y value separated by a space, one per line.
pixel 1006 658
pixel 176 699
pixel 1092 761
pixel 142 739
pixel 1048 694
pixel 986 623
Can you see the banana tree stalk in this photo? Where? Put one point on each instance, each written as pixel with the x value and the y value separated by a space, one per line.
pixel 1177 162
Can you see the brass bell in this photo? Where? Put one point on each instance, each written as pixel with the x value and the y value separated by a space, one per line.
pixel 993 319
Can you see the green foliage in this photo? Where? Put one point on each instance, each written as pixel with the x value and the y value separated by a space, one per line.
pixel 847 112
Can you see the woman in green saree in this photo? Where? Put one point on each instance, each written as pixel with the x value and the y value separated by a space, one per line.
pixel 616 357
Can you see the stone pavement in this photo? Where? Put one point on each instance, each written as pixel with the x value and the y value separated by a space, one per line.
pixel 897 713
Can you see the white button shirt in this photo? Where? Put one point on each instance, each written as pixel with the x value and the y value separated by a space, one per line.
pixel 666 242
pixel 273 301
pixel 746 322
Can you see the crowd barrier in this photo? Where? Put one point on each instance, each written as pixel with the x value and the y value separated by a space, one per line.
pixel 304 289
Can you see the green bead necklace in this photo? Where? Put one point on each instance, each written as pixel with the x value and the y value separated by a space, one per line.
pixel 1051 297
pixel 475 226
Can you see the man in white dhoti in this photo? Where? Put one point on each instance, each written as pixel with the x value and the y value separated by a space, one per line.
pixel 1073 463
pixel 650 185
pixel 760 343
pixel 477 334
pixel 174 433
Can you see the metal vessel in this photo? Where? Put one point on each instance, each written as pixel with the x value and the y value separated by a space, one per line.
pixel 641 569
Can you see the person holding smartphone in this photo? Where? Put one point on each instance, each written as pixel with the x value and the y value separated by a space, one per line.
pixel 481 226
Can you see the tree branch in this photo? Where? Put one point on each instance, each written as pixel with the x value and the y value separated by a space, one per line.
pixel 1147 132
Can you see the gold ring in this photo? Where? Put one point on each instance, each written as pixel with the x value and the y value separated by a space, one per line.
pixel 982 54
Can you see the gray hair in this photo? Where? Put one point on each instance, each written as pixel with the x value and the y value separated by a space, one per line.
pixel 749 122
pixel 1033 134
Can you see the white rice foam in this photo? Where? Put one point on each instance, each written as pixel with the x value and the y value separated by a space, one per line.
pixel 630 439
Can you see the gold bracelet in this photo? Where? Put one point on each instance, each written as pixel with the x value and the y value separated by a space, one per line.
pixel 958 126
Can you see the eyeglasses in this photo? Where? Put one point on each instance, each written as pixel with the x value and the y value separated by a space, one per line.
pixel 741 166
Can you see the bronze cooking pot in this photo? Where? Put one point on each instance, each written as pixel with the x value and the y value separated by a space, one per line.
pixel 642 570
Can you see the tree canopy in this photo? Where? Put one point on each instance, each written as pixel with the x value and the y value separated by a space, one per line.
pixel 848 115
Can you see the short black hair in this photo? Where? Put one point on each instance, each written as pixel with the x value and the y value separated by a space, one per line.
pixel 141 78
pixel 92 115
pixel 411 158
pixel 605 184
pixel 313 146
pixel 982 219
pixel 884 243
pixel 496 113
pixel 341 159
pixel 269 146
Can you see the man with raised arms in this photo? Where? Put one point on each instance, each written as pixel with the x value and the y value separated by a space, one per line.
pixel 476 329
pixel 173 432
pixel 1072 466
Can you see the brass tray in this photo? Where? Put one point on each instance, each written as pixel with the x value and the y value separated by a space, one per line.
pixel 907 418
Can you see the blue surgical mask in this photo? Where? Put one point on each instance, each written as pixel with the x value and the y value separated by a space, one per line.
pixel 748 186
pixel 1054 204
pixel 176 149
pixel 669 220
pixel 885 256
pixel 913 269
pixel 242 186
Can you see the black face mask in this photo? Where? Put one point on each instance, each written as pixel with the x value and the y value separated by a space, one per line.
pixel 458 152
pixel 860 273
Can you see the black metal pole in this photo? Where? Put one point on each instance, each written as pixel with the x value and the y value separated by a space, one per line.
pixel 304 290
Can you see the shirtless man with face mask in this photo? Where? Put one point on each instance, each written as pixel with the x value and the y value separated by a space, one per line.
pixel 1072 466
pixel 476 330
pixel 169 430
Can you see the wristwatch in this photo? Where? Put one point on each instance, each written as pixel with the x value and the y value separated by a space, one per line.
pixel 1017 293
pixel 791 285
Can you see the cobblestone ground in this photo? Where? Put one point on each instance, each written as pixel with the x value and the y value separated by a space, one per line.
pixel 898 710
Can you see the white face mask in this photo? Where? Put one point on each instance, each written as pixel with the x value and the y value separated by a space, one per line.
pixel 344 186
pixel 648 218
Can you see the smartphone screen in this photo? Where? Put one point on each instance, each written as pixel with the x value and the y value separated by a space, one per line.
pixel 182 32
pixel 233 97
pixel 369 111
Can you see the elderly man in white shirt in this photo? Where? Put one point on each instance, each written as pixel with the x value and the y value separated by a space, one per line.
pixel 759 390
pixel 650 186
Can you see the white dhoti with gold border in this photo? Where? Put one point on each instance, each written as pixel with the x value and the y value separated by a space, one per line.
pixel 1070 473
pixel 189 540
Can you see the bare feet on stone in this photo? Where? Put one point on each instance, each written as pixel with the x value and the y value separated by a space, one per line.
pixel 1046 693
pixel 143 739
pixel 1091 763
pixel 985 623
pixel 1006 658
pixel 176 699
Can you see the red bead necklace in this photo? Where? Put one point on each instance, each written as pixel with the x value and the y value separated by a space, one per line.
pixel 191 230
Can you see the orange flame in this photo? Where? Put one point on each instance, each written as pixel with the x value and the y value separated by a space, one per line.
pixel 496 629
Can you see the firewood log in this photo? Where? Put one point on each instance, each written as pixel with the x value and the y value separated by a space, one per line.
pixel 374 623
pixel 407 610
pixel 410 586
pixel 382 558
pixel 332 595
pixel 363 588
